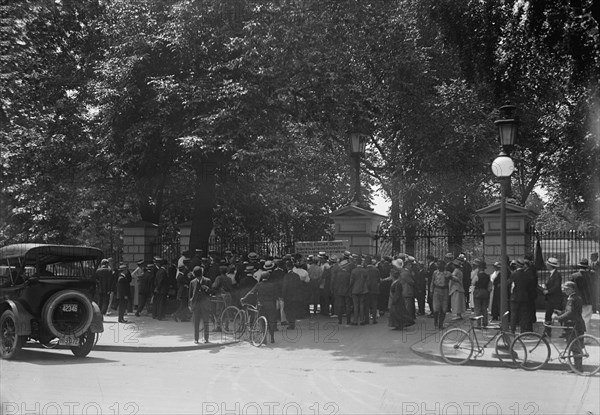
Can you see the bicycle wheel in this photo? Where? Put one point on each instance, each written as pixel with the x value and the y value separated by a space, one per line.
pixel 531 350
pixel 259 331
pixel 504 352
pixel 239 324
pixel 227 318
pixel 456 346
pixel 583 355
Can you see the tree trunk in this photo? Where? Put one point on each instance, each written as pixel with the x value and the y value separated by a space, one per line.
pixel 204 203
pixel 395 218
pixel 411 238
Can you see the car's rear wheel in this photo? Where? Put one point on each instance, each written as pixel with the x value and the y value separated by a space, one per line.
pixel 10 342
pixel 68 313
pixel 86 343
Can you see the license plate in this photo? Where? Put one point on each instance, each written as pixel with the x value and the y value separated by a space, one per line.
pixel 69 308
pixel 68 341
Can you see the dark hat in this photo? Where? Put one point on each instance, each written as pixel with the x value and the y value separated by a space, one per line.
pixel 482 265
pixel 268 265
pixel 181 266
pixel 223 263
pixel 122 266
pixel 150 266
pixel 457 262
pixel 583 263
pixel 140 262
pixel 198 270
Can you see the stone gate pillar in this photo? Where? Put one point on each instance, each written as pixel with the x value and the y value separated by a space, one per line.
pixel 518 237
pixel 358 226
pixel 138 238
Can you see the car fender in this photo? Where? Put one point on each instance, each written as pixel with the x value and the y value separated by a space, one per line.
pixel 97 325
pixel 22 316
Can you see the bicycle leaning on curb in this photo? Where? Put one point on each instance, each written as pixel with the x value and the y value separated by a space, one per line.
pixel 458 346
pixel 248 320
pixel 532 351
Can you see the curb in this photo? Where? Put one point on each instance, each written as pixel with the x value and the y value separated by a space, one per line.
pixel 139 349
pixel 160 349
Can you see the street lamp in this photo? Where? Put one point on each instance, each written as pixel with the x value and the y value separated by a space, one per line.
pixel 503 167
pixel 358 143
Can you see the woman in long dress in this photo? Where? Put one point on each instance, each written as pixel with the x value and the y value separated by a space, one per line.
pixel 399 316
pixel 457 291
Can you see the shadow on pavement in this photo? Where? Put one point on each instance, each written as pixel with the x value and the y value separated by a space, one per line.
pixel 35 354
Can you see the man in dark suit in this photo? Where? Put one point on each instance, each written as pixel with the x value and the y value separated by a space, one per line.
pixel 523 290
pixel 582 279
pixel 553 292
pixel 122 292
pixel 293 295
pixel 340 288
pixel 161 287
pixel 200 303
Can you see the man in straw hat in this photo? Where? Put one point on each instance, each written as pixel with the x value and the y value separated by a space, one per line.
pixel 552 291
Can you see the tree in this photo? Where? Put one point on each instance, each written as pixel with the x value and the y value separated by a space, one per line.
pixel 48 169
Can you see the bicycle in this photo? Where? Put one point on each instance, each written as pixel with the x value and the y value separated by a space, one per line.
pixel 457 345
pixel 228 318
pixel 248 320
pixel 534 350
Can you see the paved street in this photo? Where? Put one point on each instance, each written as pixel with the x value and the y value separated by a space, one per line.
pixel 322 369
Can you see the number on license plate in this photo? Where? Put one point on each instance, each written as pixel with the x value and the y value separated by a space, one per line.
pixel 68 341
pixel 69 308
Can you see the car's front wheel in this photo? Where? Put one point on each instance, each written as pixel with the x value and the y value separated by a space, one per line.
pixel 10 342
pixel 86 343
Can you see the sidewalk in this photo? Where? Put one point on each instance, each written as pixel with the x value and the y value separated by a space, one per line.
pixel 147 335
pixel 429 345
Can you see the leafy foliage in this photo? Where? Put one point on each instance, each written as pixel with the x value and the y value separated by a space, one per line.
pixel 236 114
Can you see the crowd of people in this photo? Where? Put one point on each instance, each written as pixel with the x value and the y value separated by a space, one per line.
pixel 355 289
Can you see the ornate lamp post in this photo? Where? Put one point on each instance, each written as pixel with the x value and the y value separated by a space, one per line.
pixel 358 143
pixel 503 167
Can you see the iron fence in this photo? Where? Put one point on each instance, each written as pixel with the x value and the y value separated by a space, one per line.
pixel 569 247
pixel 429 242
pixel 167 246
